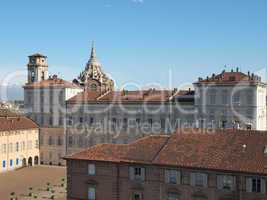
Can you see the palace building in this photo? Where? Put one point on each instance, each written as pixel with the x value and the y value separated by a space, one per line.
pixel 89 110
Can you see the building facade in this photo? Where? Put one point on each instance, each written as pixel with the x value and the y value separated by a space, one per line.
pixel 19 142
pixel 189 166
pixel 232 99
pixel 89 111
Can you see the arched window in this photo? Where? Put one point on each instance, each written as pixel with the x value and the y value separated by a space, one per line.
pixel 93 87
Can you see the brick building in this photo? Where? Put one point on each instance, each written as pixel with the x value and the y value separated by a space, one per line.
pixel 228 165
pixel 19 141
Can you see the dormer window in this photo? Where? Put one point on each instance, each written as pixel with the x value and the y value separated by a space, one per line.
pixel 232 78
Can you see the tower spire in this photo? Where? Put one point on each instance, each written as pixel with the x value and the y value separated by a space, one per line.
pixel 93 51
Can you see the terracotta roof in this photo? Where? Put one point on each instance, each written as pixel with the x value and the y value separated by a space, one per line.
pixel 86 96
pixel 227 150
pixel 52 82
pixel 16 123
pixel 123 96
pixel 232 77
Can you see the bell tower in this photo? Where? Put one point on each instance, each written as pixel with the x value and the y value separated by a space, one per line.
pixel 37 68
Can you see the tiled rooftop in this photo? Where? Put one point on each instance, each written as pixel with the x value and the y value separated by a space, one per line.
pixel 151 95
pixel 52 82
pixel 231 77
pixel 9 123
pixel 227 150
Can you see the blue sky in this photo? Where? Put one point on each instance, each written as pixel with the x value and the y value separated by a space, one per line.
pixel 138 41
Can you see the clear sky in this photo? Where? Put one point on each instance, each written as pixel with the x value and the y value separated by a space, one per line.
pixel 138 41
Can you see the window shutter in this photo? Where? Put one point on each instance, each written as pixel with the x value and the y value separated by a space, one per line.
pixel 131 173
pixel 143 174
pixel 192 179
pixel 205 177
pixel 249 184
pixel 220 182
pixel 178 177
pixel 263 186
pixel 233 188
pixel 167 176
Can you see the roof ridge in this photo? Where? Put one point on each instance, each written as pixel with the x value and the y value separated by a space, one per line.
pixel 161 148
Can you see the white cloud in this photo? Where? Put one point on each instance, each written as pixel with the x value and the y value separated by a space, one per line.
pixel 138 1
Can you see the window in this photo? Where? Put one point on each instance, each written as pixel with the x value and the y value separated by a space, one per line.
pixel 138 121
pixel 4 148
pixel 150 122
pixel 91 120
pixel 212 97
pixel 199 179
pixel 91 193
pixel 59 141
pixel 249 95
pixel 91 169
pixel 255 184
pixel 17 147
pixel 114 124
pixel 70 121
pixel 172 176
pixel 50 141
pixel 29 144
pixel 94 87
pixel 11 163
pixel 172 196
pixel 162 123
pixel 10 147
pixel 4 164
pixel 232 78
pixel 125 123
pixel 81 120
pixel 70 141
pixel 23 145
pixel 43 74
pixel 236 98
pixel 17 161
pixel 137 196
pixel 137 173
pixel 51 121
pixel 225 182
pixel 224 97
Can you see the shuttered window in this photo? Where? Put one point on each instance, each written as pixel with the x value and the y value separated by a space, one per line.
pixel 137 196
pixel 91 169
pixel 172 176
pixel 172 196
pixel 199 179
pixel 137 173
pixel 91 193
pixel 226 182
pixel 255 184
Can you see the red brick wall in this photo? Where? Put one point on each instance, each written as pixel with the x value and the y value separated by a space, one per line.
pixel 154 188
